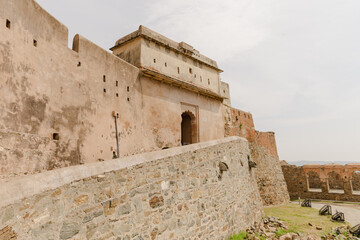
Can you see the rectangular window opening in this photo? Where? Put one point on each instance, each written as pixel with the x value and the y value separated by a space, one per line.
pixel 55 136
pixel 104 90
pixel 104 78
pixel 35 43
pixel 128 89
pixel 8 23
pixel 178 70
pixel 117 95
pixel 117 83
pixel 190 70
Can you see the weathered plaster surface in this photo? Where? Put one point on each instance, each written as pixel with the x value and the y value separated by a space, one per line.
pixel 48 88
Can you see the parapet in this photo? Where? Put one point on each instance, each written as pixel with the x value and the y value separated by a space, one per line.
pixel 181 47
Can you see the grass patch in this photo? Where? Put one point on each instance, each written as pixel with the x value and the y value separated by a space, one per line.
pixel 240 236
pixel 297 219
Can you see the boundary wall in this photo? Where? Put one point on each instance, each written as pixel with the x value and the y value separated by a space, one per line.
pixel 268 172
pixel 169 194
pixel 327 182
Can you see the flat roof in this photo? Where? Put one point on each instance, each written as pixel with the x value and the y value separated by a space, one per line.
pixel 182 47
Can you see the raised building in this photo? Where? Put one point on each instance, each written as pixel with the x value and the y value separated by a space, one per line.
pixel 61 108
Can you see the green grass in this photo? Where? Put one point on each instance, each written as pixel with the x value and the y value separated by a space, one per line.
pixel 240 236
pixel 297 219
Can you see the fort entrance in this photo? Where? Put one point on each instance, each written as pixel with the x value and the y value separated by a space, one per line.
pixel 188 128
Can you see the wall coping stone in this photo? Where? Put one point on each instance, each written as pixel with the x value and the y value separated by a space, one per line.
pixel 21 187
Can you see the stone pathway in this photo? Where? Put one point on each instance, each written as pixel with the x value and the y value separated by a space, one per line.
pixel 351 211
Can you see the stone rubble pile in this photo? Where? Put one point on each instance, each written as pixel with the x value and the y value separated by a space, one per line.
pixel 273 227
pixel 340 233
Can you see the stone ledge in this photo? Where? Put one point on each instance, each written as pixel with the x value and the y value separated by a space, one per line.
pixel 26 186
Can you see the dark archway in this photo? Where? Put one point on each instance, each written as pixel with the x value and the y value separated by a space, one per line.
pixel 186 129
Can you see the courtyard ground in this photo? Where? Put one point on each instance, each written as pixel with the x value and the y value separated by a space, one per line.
pixel 304 220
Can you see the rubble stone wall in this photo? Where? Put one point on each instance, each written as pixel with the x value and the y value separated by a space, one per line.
pixel 328 182
pixel 170 194
pixel 269 175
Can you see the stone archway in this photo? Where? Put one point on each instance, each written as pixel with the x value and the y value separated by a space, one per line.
pixel 314 182
pixel 188 128
pixel 355 182
pixel 335 182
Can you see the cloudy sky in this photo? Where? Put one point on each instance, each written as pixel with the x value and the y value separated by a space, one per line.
pixel 294 64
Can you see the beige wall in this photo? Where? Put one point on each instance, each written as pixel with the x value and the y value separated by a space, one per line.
pixel 162 109
pixel 49 88
pixel 149 54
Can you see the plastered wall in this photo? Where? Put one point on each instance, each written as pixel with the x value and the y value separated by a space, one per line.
pixel 170 194
pixel 57 104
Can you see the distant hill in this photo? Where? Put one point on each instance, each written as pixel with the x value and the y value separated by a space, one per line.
pixel 301 163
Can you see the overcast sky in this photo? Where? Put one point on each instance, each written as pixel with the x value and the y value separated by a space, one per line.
pixel 294 64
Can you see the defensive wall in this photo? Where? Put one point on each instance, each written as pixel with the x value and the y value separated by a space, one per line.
pixel 170 194
pixel 268 172
pixel 66 111
pixel 330 182
pixel 63 107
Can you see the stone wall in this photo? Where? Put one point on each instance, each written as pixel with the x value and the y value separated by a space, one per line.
pixel 330 182
pixel 169 194
pixel 269 175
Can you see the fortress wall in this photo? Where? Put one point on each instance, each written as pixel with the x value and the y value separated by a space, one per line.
pixel 328 182
pixel 49 89
pixel 169 194
pixel 269 175
pixel 270 178
pixel 29 16
pixel 58 103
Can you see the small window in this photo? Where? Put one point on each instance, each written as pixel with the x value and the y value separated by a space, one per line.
pixel 178 70
pixel 35 43
pixel 55 136
pixel 195 76
pixel 190 70
pixel 8 23
pixel 200 78
pixel 104 90
pixel 79 64
pixel 165 64
pixel 104 78
pixel 209 81
pixel 117 83
pixel 128 89
pixel 117 95
pixel 128 99
pixel 154 60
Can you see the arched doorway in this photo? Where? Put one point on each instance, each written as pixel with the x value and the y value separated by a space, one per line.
pixel 186 129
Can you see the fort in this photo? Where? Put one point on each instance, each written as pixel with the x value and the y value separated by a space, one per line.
pixel 128 144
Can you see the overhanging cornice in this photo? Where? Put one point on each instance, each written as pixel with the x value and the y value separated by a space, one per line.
pixel 179 83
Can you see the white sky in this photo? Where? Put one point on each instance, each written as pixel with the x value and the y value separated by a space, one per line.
pixel 294 64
